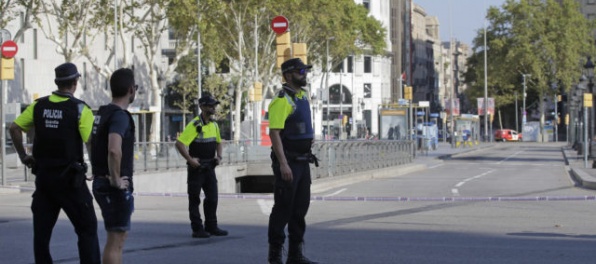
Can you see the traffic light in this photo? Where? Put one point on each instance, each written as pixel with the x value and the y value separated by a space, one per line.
pixel 6 69
pixel 284 48
pixel 258 92
pixel 299 50
pixel 408 92
pixel 345 120
pixel 587 100
pixel 255 94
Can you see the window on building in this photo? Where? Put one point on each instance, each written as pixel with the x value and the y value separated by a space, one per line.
pixel 591 2
pixel 35 43
pixel 84 77
pixel 367 90
pixel 171 34
pixel 22 15
pixel 367 64
pixel 350 64
pixel 366 4
pixel 224 66
pixel 23 79
pixel 339 67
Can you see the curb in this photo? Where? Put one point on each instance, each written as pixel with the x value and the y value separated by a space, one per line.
pixel 583 178
pixel 10 189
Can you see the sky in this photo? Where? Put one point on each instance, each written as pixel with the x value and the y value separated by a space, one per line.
pixel 463 17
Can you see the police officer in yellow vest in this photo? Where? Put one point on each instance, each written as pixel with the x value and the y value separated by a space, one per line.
pixel 61 123
pixel 291 137
pixel 203 140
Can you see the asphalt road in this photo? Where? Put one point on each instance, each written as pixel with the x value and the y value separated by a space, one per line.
pixel 513 203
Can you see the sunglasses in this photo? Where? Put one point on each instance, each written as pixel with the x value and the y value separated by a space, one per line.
pixel 302 71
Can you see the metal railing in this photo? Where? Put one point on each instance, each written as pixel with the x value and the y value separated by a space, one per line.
pixel 336 157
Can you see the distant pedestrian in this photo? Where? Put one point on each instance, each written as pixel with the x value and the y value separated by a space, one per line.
pixel 112 161
pixel 62 123
pixel 292 137
pixel 203 140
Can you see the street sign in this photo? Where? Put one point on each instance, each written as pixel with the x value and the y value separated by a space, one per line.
pixel 9 49
pixel 280 24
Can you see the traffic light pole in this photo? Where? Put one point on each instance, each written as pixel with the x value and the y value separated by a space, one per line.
pixel 556 120
pixel 3 132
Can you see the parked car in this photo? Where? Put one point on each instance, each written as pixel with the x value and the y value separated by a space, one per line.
pixel 507 135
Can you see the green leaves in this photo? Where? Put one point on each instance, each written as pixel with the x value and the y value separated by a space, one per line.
pixel 544 38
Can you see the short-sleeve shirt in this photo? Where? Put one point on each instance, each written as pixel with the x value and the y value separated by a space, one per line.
pixel 119 124
pixel 189 134
pixel 280 109
pixel 25 120
pixel 202 145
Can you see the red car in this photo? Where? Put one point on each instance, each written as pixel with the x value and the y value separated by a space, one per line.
pixel 507 135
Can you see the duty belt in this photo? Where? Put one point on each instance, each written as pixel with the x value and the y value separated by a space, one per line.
pixel 307 157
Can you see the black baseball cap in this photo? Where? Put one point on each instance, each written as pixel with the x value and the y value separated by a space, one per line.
pixel 208 100
pixel 294 64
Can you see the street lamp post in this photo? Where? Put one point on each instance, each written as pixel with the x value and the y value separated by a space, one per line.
pixel 516 113
pixel 327 83
pixel 589 72
pixel 524 118
pixel 579 92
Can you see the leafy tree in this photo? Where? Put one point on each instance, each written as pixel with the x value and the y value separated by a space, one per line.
pixel 311 22
pixel 9 11
pixel 71 24
pixel 543 38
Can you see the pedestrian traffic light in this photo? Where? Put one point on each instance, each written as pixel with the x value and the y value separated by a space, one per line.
pixel 6 69
pixel 587 100
pixel 299 50
pixel 258 92
pixel 408 92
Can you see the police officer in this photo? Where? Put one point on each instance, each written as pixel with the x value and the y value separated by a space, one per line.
pixel 203 140
pixel 112 162
pixel 291 134
pixel 61 123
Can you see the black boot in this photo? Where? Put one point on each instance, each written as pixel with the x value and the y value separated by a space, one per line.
pixel 275 251
pixel 295 255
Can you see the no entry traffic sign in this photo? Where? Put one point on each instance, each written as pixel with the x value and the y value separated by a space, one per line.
pixel 280 24
pixel 9 49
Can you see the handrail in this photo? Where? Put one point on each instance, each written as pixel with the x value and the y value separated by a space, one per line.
pixel 336 157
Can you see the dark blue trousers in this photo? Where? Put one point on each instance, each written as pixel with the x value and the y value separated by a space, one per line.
pixel 291 202
pixel 51 196
pixel 202 179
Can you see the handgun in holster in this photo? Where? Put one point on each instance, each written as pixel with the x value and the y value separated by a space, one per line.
pixel 207 164
pixel 308 157
pixel 75 174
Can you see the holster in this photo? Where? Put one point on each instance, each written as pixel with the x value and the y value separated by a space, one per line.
pixel 207 164
pixel 307 157
pixel 75 174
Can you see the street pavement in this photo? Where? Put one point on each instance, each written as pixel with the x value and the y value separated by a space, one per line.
pixel 160 230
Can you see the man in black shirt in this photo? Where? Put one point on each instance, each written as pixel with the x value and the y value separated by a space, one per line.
pixel 112 160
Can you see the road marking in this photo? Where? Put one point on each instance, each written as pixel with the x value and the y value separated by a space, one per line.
pixel 455 191
pixel 265 206
pixel 510 156
pixel 438 165
pixel 336 193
